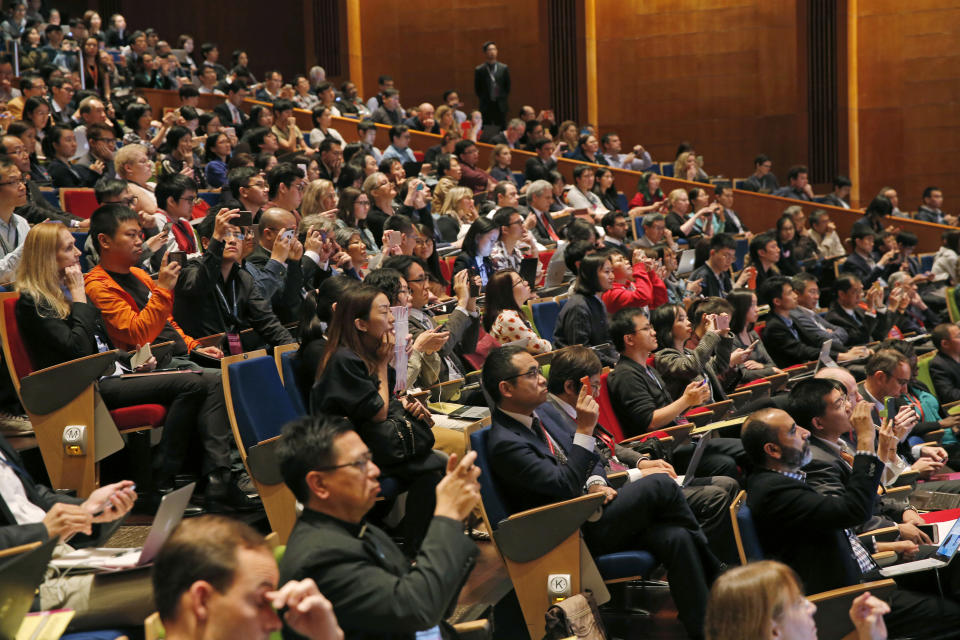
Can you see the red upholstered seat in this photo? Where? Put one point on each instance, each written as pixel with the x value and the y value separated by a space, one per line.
pixel 18 351
pixel 419 155
pixel 752 383
pixel 141 415
pixel 696 411
pixel 79 202
pixel 607 417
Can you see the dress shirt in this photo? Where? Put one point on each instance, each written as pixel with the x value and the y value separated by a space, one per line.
pixel 403 155
pixel 639 163
pixel 633 474
pixel 12 491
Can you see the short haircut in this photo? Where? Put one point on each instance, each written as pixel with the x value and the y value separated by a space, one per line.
pixel 203 548
pixel 845 282
pixel 390 93
pixel 502 217
pixel 940 333
pixel 538 187
pixel 240 177
pixel 282 105
pixel 402 263
pixel 327 144
pixel 399 222
pixel 928 192
pixel 795 171
pixel 723 241
pixel 610 218
pixel 187 91
pixel 98 130
pixel 771 289
pixel 365 125
pixel 207 48
pixel 387 281
pixel 862 231
pixel 284 173
pixel 800 281
pixel 397 131
pixel 306 444
pixel 885 360
pixel 107 218
pixel 842 181
pixel 760 159
pixel 384 79
pixel 756 434
pixel 497 367
pixel 572 364
pixel 108 188
pixel 501 188
pixel 462 145
pixel 622 325
pixel 652 218
pixel 907 239
pixel 581 169
pixel 816 215
pixel 807 400
pixel 580 229
pixel 173 185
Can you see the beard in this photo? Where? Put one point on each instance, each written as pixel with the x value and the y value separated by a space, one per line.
pixel 797 458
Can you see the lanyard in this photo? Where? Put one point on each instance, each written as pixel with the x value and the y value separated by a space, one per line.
pixel 16 237
pixel 226 305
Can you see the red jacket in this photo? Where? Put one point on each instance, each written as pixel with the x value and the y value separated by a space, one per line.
pixel 646 290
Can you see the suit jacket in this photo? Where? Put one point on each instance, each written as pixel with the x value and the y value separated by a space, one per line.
pixel 711 358
pixel 945 373
pixel 856 265
pixel 816 325
pixel 13 534
pixel 226 118
pixel 866 330
pixel 527 472
pixel 635 395
pixel 712 285
pixel 583 320
pixel 287 299
pixel 540 232
pixel 833 200
pixel 785 349
pixel 805 530
pixel 37 209
pixel 537 169
pixel 375 591
pixel 483 85
pixel 63 175
pixel 82 166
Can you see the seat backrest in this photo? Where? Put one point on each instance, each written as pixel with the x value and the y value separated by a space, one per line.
pixel 261 406
pixel 607 416
pixel 20 359
pixel 744 531
pixel 952 307
pixel 79 202
pixel 492 500
pixel 287 361
pixel 923 373
pixel 485 343
pixel 545 316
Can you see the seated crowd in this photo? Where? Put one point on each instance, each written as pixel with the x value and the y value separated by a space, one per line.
pixel 321 242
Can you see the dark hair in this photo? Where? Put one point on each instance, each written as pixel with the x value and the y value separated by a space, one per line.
pixel 208 147
pixel 885 360
pixel 928 192
pixel 477 228
pixel 575 252
pixel 808 400
pixel 387 281
pixel 240 177
pixel 402 263
pixel 610 217
pixel 782 220
pixel 795 171
pixel 502 217
pixel 108 188
pixel 107 218
pixel 173 185
pixel 759 243
pixel 844 282
pixel 643 187
pixel 756 434
pixel 187 91
pixel 741 300
pixel 175 135
pixel 572 364
pixel 662 318
pixel 133 113
pixel 189 113
pixel 907 239
pixel 348 196
pixel 760 159
pixel 880 206
pixel 588 282
pixel 327 143
pixel 581 169
pixel 386 164
pixel 282 105
pixel 940 333
pixel 622 325
pixel 284 173
pixel 462 145
pixel 308 443
pixel 204 548
pixel 723 241
pixel 498 367
pixel 399 222
pixel 579 229
pixel 842 181
pixel 54 134
pixel 397 130
pixel 499 297
pixel 771 289
pixel 365 125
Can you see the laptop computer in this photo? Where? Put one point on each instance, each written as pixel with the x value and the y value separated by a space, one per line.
pixel 940 558
pixel 168 517
pixel 687 477
pixel 19 578
pixel 685 265
pixel 823 359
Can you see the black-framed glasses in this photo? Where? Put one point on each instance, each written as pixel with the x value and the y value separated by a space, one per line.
pixel 131 201
pixel 17 181
pixel 417 280
pixel 531 373
pixel 360 464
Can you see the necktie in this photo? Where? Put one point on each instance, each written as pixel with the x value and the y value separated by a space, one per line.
pixel 549 225
pixel 541 431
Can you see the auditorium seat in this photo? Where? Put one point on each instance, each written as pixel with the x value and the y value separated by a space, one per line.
pixel 285 359
pixel 79 202
pixel 607 417
pixel 545 314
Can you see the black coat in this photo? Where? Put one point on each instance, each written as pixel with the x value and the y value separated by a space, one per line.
pixel 583 320
pixel 945 373
pixel 865 328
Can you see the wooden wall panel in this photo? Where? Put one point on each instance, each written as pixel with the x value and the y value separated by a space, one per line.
pixel 429 46
pixel 723 75
pixel 909 88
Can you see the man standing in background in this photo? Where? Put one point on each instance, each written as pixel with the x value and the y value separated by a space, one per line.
pixel 491 80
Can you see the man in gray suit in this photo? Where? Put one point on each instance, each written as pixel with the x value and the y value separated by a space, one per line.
pixel 806 316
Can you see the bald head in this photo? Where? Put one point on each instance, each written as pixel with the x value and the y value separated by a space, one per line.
pixel 273 222
pixel 425 113
pixel 769 433
pixel 845 378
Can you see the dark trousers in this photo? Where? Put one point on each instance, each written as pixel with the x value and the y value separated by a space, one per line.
pixel 710 500
pixel 653 515
pixel 721 457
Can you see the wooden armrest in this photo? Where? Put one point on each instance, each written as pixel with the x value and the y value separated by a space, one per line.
pixel 905 489
pixel 262 460
pixel 875 587
pixel 530 534
pixel 884 558
pixel 210 341
pixel 883 534
pixel 679 431
pixel 23 548
pixel 474 630
pixel 937 435
pixel 68 378
pixel 907 478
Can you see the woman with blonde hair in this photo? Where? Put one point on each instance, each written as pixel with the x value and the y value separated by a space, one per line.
pixel 320 196
pixel 764 600
pixel 687 167
pixel 568 133
pixel 446 119
pixel 500 164
pixel 457 214
pixel 134 165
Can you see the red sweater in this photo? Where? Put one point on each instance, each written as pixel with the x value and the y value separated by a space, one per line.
pixel 646 290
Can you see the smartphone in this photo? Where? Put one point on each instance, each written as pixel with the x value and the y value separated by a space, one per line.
pixel 106 503
pixel 288 234
pixel 177 256
pixel 474 287
pixel 243 219
pixel 420 187
pixel 323 235
pixel 754 344
pixel 892 405
pixel 230 130
pixel 393 239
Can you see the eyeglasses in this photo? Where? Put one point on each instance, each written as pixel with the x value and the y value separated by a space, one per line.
pixel 417 280
pixel 108 141
pixel 257 185
pixel 131 201
pixel 360 464
pixel 363 203
pixel 531 373
pixel 17 181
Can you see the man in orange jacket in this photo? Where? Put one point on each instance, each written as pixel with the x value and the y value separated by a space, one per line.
pixel 137 310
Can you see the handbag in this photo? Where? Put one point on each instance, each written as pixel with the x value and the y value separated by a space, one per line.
pixel 398 439
pixel 576 616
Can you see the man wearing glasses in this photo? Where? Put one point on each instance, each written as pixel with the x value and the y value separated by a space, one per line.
pixel 375 591
pixel 175 195
pixel 61 94
pixel 537 459
pixel 13 228
pixel 36 209
pixel 98 163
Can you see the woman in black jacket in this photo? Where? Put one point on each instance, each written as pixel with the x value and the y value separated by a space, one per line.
pixel 475 250
pixel 583 319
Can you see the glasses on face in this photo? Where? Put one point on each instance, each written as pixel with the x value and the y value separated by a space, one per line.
pixel 363 203
pixel 107 141
pixel 130 202
pixel 233 235
pixel 300 186
pixel 530 373
pixel 419 280
pixel 16 181
pixel 257 185
pixel 360 464
pixel 187 198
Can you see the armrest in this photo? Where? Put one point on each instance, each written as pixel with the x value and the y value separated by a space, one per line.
pixel 883 534
pixel 210 341
pixel 904 490
pixel 907 478
pixel 679 431
pixel 474 630
pixel 885 558
pixel 530 534
pixel 936 435
pixel 617 480
pixel 262 460
pixel 68 378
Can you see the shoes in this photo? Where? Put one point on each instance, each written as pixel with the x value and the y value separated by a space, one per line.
pixel 15 425
pixel 223 493
pixel 245 484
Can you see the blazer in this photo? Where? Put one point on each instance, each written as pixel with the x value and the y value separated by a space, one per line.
pixel 816 325
pixel 37 209
pixel 805 530
pixel 464 333
pixel 226 118
pixel 635 394
pixel 945 373
pixel 785 349
pixel 583 320
pixel 525 469
pixel 856 265
pixel 537 169
pixel 374 590
pixel 866 330
pixel 64 175
pixel 483 85
pixel 713 287
pixel 464 261
pixel 711 358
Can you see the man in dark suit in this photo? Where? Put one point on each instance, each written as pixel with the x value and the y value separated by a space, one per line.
pixel 37 209
pixel 491 81
pixel 539 167
pixel 812 533
pixel 538 460
pixel 841 191
pixel 229 111
pixel 945 366
pixel 374 589
pixel 786 342
pixel 714 274
pixel 862 326
pixel 860 262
